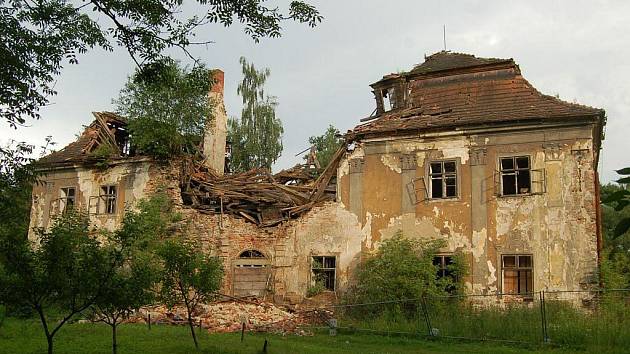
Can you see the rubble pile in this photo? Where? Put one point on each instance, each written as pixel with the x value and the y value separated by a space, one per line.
pixel 229 316
pixel 257 195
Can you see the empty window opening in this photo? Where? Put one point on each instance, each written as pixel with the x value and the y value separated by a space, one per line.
pixel 515 175
pixel 517 274
pixel 389 98
pixel 107 200
pixel 443 177
pixel 251 259
pixel 445 270
pixel 324 269
pixel 67 199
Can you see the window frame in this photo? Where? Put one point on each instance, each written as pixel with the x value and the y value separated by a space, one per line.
pixel 518 268
pixel 109 199
pixel 515 172
pixel 323 269
pixel 63 200
pixel 443 176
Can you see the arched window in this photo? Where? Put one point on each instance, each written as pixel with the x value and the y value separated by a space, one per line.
pixel 251 254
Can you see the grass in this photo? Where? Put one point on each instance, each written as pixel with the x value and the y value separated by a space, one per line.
pixel 25 336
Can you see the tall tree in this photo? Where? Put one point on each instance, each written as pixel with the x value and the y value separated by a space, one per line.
pixel 326 145
pixel 39 37
pixel 257 137
pixel 167 114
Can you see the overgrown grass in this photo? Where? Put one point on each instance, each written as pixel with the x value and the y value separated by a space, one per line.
pixel 604 328
pixel 25 336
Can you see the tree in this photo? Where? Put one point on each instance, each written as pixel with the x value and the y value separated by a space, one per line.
pixel 39 37
pixel 615 266
pixel 326 145
pixel 132 283
pixel 257 137
pixel 402 269
pixel 166 115
pixel 189 276
pixel 67 271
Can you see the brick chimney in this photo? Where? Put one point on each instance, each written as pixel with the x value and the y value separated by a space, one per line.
pixel 216 127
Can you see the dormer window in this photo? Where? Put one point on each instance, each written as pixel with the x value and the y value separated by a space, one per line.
pixel 389 98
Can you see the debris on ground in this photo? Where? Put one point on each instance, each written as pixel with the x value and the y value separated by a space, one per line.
pixel 229 316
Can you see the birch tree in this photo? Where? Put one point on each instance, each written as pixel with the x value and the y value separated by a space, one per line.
pixel 257 136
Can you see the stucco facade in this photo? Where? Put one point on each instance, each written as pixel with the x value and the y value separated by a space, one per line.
pixel 467 152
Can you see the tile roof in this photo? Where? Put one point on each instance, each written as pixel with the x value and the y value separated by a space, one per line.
pixel 79 150
pixel 474 97
pixel 444 60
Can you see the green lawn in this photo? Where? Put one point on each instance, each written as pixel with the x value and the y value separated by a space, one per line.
pixel 25 336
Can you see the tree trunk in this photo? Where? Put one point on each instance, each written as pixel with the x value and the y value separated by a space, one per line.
pixel 49 339
pixel 114 344
pixel 192 330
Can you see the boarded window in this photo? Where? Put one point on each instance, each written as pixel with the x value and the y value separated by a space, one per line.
pixel 324 269
pixel 107 200
pixel 67 199
pixel 252 274
pixel 515 175
pixel 443 179
pixel 518 274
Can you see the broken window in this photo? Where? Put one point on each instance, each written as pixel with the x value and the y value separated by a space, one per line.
pixel 517 274
pixel 323 269
pixel 67 199
pixel 444 265
pixel 515 174
pixel 107 200
pixel 389 98
pixel 443 179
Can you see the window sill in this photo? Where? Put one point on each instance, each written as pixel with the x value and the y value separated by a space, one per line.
pixel 450 199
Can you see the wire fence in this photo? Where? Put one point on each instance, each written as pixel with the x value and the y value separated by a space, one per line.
pixel 587 319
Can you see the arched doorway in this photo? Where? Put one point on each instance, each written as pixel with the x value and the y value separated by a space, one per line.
pixel 251 274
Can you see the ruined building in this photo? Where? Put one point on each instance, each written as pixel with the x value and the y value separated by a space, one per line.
pixel 459 148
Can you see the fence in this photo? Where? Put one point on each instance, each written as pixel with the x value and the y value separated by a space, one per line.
pixel 593 319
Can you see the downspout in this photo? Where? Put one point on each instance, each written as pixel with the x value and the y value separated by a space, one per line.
pixel 598 225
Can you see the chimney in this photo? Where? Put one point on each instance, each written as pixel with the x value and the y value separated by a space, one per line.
pixel 216 127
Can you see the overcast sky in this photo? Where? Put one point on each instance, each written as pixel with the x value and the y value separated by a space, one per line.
pixel 577 49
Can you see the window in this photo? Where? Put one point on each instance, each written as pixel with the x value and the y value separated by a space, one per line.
pixel 444 265
pixel 515 175
pixel 389 99
pixel 67 199
pixel 443 179
pixel 251 259
pixel 323 268
pixel 517 274
pixel 107 198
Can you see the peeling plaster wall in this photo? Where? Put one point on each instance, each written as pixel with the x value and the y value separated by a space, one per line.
pixel 556 226
pixel 130 179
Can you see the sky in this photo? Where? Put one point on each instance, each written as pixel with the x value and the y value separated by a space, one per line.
pixel 578 50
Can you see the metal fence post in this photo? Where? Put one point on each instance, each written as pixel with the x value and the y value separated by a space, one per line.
pixel 543 317
pixel 427 318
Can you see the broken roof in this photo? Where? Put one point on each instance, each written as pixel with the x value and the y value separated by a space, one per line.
pixel 101 131
pixel 452 90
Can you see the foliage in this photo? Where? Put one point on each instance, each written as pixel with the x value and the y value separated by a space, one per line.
pixel 102 155
pixel 317 288
pixel 257 137
pixel 132 281
pixel 401 269
pixel 326 145
pixel 189 276
pixel 166 116
pixel 38 38
pixel 17 175
pixel 615 269
pixel 66 271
